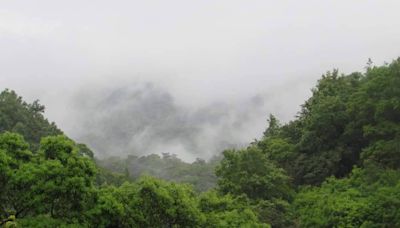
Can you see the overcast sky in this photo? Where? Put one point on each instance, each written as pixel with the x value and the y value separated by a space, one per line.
pixel 207 64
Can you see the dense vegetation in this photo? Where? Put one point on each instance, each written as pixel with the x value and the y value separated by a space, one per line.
pixel 336 165
pixel 169 167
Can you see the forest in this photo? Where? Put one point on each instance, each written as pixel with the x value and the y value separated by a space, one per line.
pixel 336 164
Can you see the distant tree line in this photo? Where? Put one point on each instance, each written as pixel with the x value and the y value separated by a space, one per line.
pixel 199 173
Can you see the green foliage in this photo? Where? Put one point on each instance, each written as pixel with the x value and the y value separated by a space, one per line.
pixel 349 120
pixel 273 127
pixel 108 210
pixel 106 177
pixel 168 167
pixel 17 174
pixel 15 146
pixel 5 161
pixel 227 211
pixel 276 212
pixel 66 177
pixel 147 203
pixel 167 204
pixel 155 203
pixel 322 148
pixel 85 150
pixel 43 221
pixel 57 180
pixel 250 172
pixel 23 118
pixel 376 109
pixel 10 222
pixel 358 201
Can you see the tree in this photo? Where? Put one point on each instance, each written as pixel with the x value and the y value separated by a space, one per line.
pixel 108 209
pixel 273 126
pixel 375 109
pixel 66 178
pixel 368 198
pixel 250 172
pixel 227 211
pixel 17 176
pixel 23 118
pixel 147 203
pixel 165 204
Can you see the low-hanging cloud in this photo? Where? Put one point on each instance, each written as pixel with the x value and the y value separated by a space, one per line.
pixel 185 77
pixel 144 118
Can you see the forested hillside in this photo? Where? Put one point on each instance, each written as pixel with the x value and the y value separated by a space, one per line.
pixel 199 173
pixel 335 165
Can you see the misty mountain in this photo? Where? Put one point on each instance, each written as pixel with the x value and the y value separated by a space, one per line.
pixel 144 118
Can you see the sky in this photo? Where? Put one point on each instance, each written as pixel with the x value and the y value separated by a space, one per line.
pixel 184 77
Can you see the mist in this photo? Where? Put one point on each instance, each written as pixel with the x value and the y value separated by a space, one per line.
pixel 190 78
pixel 141 118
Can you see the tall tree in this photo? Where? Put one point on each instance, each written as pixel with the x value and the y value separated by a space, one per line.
pixel 26 119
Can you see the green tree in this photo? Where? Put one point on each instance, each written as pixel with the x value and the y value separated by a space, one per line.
pixel 66 177
pixel 147 203
pixel 323 148
pixel 250 172
pixel 375 110
pixel 18 176
pixel 165 204
pixel 23 118
pixel 227 211
pixel 368 198
pixel 109 210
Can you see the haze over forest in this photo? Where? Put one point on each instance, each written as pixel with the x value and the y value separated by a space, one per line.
pixel 190 78
pixel 220 114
